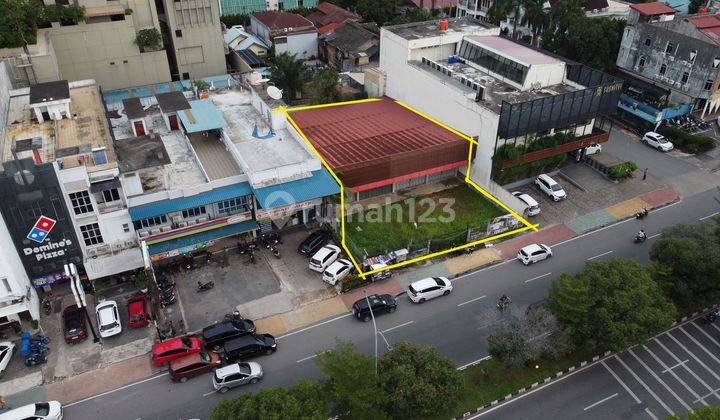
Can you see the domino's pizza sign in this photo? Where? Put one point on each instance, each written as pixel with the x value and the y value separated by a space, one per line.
pixel 42 228
pixel 46 250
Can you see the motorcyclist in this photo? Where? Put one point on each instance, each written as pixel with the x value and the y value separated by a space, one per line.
pixel 504 301
pixel 641 235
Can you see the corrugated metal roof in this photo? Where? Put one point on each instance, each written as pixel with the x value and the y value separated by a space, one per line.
pixel 202 116
pixel 320 184
pixel 167 206
pixel 651 9
pixel 250 58
pixel 201 237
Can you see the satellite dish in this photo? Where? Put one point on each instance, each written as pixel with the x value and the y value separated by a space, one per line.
pixel 274 92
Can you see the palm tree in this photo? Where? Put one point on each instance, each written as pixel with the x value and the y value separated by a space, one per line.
pixel 288 74
pixel 500 9
pixel 535 17
pixel 563 13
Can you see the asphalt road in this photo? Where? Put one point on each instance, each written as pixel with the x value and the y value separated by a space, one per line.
pixel 456 325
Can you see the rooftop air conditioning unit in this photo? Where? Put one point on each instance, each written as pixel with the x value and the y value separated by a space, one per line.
pixel 143 233
pixel 182 224
pixel 202 219
pixel 92 253
pixel 176 219
pixel 154 231
pixel 191 222
pixel 165 228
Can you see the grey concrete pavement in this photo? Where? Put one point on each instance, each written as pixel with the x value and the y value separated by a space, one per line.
pixel 462 322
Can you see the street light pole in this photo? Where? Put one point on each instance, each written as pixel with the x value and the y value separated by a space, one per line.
pixel 374 329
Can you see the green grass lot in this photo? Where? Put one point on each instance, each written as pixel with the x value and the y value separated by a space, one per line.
pixel 442 217
pixel 489 381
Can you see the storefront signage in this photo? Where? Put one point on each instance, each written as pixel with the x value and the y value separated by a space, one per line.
pixel 49 279
pixel 181 251
pixel 49 250
pixel 285 211
pixel 239 218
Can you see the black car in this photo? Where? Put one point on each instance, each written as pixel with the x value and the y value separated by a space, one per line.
pixel 248 346
pixel 312 243
pixel 216 335
pixel 74 324
pixel 379 303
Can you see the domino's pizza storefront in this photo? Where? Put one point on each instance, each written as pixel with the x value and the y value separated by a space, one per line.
pixel 34 210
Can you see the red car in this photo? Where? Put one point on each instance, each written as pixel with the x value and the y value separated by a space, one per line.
pixel 74 324
pixel 137 312
pixel 193 365
pixel 175 348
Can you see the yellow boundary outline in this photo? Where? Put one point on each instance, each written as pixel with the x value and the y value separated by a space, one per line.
pixel 527 225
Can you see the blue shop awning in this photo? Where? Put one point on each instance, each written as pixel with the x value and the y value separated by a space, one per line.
pixel 320 184
pixel 167 206
pixel 202 237
pixel 202 116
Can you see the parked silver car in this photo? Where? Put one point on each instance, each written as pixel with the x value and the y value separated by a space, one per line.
pixel 236 374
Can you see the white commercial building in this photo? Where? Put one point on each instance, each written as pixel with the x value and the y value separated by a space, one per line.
pixel 18 298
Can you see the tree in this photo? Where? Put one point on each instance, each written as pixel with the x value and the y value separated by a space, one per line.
pixel 378 11
pixel 610 305
pixel 304 400
pixel 148 38
pixel 351 384
pixel 413 15
pixel 535 17
pixel 686 264
pixel 594 42
pixel 508 344
pixel 237 19
pixel 18 22
pixel 325 86
pixel 288 74
pixel 419 382
pixel 695 6
pixel 501 9
pixel 700 413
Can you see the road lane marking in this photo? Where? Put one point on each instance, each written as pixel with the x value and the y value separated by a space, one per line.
pixel 674 375
pixel 600 402
pixel 709 353
pixel 209 393
pixel 706 334
pixel 657 378
pixel 644 385
pixel 313 326
pixel 396 327
pixel 709 216
pixel 654 236
pixel 117 389
pixel 650 413
pixel 690 371
pixel 312 357
pixel 700 362
pixel 538 277
pixel 617 378
pixel 472 300
pixel 600 255
pixel 465 366
pixel 679 363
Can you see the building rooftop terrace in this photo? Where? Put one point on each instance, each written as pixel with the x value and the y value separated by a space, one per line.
pixel 419 30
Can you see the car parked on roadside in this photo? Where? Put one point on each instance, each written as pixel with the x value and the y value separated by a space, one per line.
pixel 550 187
pixel 324 257
pixel 593 149
pixel 137 312
pixel 534 253
pixel 184 368
pixel 236 374
pixel 429 288
pixel 249 346
pixel 312 243
pixel 108 318
pixel 657 141
pixel 74 328
pixel 216 335
pixel 378 303
pixel 7 349
pixel 51 410
pixel 533 208
pixel 337 271
pixel 175 348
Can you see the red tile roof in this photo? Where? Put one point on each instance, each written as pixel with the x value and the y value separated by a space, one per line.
pixel 651 9
pixel 276 20
pixel 329 27
pixel 330 13
pixel 709 25
pixel 375 141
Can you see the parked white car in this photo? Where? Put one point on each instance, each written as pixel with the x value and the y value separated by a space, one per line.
pixel 336 271
pixel 592 149
pixel 108 318
pixel 324 257
pixel 533 208
pixel 550 187
pixel 51 410
pixel 657 141
pixel 7 349
pixel 236 374
pixel 534 253
pixel 429 288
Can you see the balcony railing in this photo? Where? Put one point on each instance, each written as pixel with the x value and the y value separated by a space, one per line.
pixel 597 136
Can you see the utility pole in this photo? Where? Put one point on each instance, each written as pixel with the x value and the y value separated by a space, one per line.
pixel 374 329
pixel 79 293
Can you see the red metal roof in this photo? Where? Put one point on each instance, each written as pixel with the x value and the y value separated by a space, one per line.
pixel 651 9
pixel 329 27
pixel 279 20
pixel 709 25
pixel 380 134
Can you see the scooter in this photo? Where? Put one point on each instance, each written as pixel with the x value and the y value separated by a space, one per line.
pixel 275 251
pixel 36 359
pixel 640 239
pixel 47 306
pixel 235 316
pixel 641 214
pixel 165 302
pixel 713 315
pixel 201 287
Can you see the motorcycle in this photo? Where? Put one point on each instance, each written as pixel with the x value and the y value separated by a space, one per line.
pixel 47 306
pixel 201 287
pixel 36 359
pixel 275 251
pixel 641 214
pixel 502 304
pixel 165 302
pixel 640 239
pixel 713 315
pixel 235 316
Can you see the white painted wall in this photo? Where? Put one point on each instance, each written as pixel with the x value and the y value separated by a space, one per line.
pixel 303 46
pixel 13 271
pixel 544 75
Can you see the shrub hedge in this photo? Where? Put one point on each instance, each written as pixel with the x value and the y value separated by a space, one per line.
pixel 687 142
pixel 622 170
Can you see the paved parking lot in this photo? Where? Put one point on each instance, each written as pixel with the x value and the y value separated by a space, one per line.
pixel 669 375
